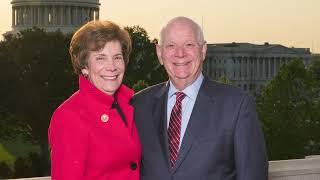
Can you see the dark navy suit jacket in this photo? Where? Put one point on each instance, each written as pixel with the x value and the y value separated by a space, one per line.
pixel 223 140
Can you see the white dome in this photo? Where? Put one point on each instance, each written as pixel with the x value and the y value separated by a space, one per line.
pixel 52 15
pixel 91 3
pixel 26 1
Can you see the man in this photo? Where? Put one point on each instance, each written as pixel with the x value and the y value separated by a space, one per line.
pixel 191 127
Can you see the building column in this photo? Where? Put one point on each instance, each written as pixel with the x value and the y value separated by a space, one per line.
pixel 17 16
pixel 248 68
pixel 96 14
pixel 261 62
pixel 91 14
pixel 278 64
pixel 21 16
pixel 254 68
pixel 19 13
pixel 243 68
pixel 13 17
pixel 62 15
pixel 88 15
pixel 68 20
pixel 240 68
pixel 274 66
pixel 39 15
pixel 54 16
pixel 32 16
pixel 46 16
pixel 24 16
pixel 235 68
pixel 80 15
pixel 76 16
pixel 269 64
pixel 83 15
pixel 258 68
pixel 263 68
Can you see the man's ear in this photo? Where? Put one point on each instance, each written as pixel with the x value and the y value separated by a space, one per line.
pixel 159 54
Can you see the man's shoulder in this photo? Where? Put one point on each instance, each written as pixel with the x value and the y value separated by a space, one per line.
pixel 149 92
pixel 221 89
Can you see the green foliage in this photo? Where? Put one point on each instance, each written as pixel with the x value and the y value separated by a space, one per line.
pixel 37 78
pixel 11 126
pixel 143 64
pixel 5 171
pixel 42 77
pixel 224 80
pixel 141 84
pixel 315 68
pixel 289 111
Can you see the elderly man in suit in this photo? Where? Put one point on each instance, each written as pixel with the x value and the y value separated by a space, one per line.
pixel 193 128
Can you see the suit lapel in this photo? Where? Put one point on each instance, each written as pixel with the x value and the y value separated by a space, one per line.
pixel 159 113
pixel 199 120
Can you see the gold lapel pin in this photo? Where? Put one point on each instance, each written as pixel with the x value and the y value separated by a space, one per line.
pixel 104 118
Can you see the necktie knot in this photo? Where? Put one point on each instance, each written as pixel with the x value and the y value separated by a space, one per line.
pixel 180 96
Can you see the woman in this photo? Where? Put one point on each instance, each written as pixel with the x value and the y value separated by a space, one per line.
pixel 92 134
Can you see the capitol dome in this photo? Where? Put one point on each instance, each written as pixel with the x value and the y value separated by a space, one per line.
pixel 53 15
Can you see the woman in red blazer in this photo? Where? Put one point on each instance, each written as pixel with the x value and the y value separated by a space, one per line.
pixel 92 134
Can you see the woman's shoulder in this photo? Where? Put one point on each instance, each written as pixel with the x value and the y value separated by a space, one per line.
pixel 67 115
pixel 68 107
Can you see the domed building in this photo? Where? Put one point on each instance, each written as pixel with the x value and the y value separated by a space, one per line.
pixel 52 15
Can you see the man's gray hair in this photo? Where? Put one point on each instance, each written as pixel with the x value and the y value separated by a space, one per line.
pixel 197 29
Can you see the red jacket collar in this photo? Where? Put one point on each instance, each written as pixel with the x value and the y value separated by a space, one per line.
pixel 123 93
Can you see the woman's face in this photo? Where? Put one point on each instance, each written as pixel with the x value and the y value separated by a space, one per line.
pixel 106 67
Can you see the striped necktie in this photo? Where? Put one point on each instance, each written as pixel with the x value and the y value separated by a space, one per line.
pixel 174 129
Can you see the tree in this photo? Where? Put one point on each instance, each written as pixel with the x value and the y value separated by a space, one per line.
pixel 315 68
pixel 287 107
pixel 143 63
pixel 40 79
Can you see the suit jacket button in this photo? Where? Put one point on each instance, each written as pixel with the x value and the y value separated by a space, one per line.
pixel 133 166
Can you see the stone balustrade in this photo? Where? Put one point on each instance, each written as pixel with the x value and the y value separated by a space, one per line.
pixel 293 169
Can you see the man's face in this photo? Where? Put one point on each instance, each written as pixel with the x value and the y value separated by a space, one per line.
pixel 181 53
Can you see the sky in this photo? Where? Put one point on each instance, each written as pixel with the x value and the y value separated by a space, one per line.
pixel 293 23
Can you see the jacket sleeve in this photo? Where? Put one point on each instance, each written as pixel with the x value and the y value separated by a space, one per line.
pixel 68 140
pixel 250 152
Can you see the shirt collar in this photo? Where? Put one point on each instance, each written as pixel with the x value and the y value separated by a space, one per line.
pixel 191 91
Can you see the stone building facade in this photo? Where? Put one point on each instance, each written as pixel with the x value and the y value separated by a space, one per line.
pixel 250 66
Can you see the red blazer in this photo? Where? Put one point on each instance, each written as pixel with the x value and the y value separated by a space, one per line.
pixel 90 141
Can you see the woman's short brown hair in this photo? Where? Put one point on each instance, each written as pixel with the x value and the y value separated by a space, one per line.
pixel 92 37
